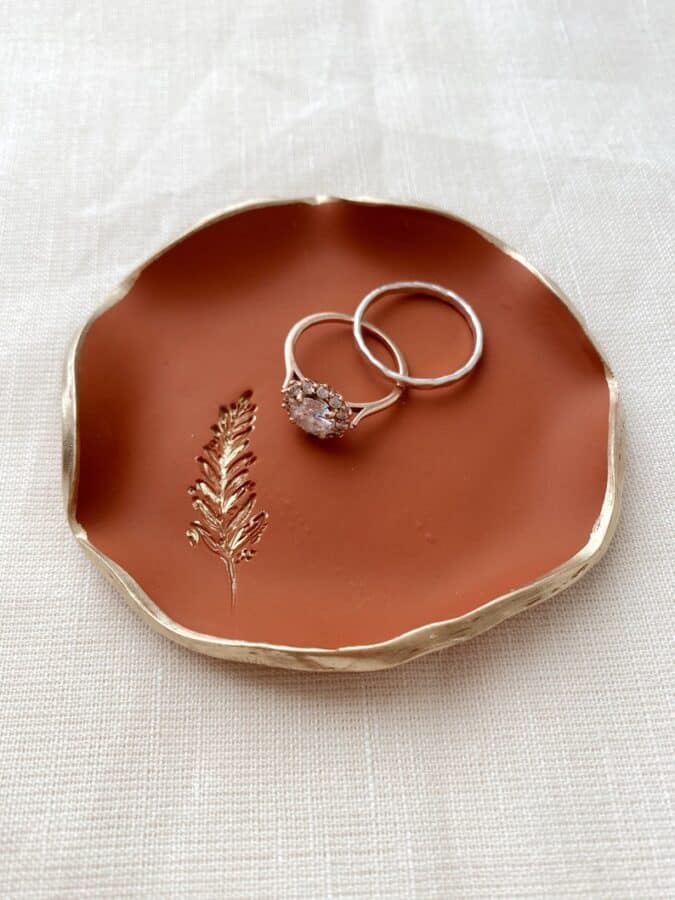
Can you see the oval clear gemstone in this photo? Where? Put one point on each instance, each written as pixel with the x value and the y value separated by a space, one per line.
pixel 312 416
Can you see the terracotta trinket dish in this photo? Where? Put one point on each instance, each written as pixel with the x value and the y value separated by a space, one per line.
pixel 233 534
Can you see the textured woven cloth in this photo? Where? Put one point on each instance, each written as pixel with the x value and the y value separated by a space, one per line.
pixel 535 761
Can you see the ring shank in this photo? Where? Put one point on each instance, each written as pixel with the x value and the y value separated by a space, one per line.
pixel 434 290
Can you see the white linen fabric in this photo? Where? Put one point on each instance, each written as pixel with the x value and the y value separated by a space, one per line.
pixel 534 761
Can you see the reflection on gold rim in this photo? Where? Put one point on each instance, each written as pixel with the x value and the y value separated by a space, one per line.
pixel 385 654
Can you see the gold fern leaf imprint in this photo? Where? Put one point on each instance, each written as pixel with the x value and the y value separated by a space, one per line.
pixel 225 496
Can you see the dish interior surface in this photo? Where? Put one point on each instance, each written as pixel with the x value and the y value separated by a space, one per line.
pixel 425 512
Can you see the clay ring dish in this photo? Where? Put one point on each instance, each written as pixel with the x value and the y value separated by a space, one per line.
pixel 238 537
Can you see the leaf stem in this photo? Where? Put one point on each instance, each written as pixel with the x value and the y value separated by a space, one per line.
pixel 232 577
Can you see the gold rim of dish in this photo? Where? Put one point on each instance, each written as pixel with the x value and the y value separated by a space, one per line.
pixel 367 657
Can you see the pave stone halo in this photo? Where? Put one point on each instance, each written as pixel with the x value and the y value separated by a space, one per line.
pixel 317 409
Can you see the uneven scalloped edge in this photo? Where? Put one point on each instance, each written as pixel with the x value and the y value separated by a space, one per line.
pixel 368 657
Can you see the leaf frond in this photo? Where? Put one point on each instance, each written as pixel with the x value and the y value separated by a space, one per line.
pixel 225 496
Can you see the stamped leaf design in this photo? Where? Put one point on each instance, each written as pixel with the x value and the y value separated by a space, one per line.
pixel 224 497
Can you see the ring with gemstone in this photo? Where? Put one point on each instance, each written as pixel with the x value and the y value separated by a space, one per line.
pixel 318 408
pixel 419 288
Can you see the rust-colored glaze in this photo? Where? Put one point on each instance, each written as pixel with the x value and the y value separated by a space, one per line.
pixel 422 514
